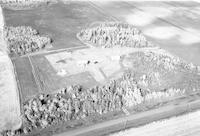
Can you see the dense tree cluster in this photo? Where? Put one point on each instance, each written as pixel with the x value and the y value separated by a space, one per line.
pixel 19 4
pixel 165 61
pixel 154 61
pixel 161 62
pixel 112 34
pixel 74 102
pixel 163 94
pixel 23 39
pixel 19 1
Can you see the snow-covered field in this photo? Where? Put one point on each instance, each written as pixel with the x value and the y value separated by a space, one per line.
pixel 184 125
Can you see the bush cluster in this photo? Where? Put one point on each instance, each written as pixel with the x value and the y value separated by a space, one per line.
pixel 162 61
pixel 24 39
pixel 114 34
pixel 154 61
pixel 163 94
pixel 23 4
pixel 165 61
pixel 74 102
pixel 19 1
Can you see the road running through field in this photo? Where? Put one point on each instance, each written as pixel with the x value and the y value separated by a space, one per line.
pixel 139 119
pixel 185 125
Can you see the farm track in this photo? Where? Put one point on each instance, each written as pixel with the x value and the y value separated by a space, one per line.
pixel 135 120
pixel 168 127
pixel 39 76
pixel 35 74
pixel 51 51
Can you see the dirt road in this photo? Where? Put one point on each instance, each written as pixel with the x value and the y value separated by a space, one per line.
pixel 190 124
pixel 135 120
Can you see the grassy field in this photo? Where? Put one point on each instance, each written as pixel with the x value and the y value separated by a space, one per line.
pixel 59 21
pixel 26 78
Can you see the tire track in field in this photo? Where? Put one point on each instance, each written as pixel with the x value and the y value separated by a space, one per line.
pixel 35 75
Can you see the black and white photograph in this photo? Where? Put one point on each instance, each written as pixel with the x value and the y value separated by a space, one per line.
pixel 99 67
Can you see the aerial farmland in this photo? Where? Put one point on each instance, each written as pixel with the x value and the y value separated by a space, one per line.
pixel 94 68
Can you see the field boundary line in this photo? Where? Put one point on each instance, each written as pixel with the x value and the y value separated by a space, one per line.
pixel 34 74
pixel 65 49
pixel 19 88
pixel 99 9
pixel 163 20
pixel 50 51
